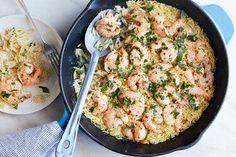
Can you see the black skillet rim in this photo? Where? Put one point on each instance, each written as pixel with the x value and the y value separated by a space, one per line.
pixel 134 154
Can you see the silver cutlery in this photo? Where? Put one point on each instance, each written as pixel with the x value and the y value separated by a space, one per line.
pixel 67 143
pixel 49 51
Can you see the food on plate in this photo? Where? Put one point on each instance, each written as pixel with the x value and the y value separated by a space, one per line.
pixel 158 77
pixel 21 65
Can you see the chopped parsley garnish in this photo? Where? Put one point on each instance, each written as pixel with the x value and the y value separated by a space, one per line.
pixel 146 68
pixel 127 102
pixel 179 43
pixel 180 29
pixel 44 89
pixel 183 14
pixel 15 106
pixel 175 113
pixel 160 49
pixel 129 126
pixel 149 7
pixel 4 94
pixel 128 48
pixel 192 102
pixel 91 109
pixel 110 84
pixel 199 69
pixel 117 70
pixel 104 87
pixel 114 101
pixel 192 37
pixel 161 97
pixel 150 38
pixel 183 66
pixel 153 87
pixel 153 106
pixel 117 92
pixel 185 85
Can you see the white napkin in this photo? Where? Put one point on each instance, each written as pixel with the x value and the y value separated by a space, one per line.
pixel 40 141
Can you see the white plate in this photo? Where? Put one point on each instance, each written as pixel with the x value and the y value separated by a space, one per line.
pixel 51 36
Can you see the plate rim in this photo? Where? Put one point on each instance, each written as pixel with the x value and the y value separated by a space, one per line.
pixel 60 41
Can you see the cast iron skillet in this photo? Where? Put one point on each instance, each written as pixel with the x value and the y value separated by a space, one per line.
pixel 188 137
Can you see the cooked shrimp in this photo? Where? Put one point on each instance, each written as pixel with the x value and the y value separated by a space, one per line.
pixel 196 53
pixel 140 23
pixel 127 132
pixel 139 55
pixel 200 92
pixel 139 131
pixel 29 74
pixel 189 75
pixel 108 27
pixel 100 102
pixel 173 116
pixel 115 117
pixel 158 25
pixel 136 131
pixel 137 81
pixel 10 85
pixel 133 103
pixel 173 29
pixel 152 118
pixel 164 95
pixel 166 48
pixel 9 90
pixel 157 72
pixel 116 82
pixel 116 60
pixel 206 77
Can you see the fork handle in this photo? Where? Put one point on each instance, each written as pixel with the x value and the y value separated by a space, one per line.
pixel 22 3
pixel 67 143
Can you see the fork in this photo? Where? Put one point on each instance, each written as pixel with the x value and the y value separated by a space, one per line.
pixel 49 51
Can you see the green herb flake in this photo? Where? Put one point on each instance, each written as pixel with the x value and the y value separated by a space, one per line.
pixel 4 94
pixel 104 87
pixel 199 69
pixel 117 92
pixel 175 113
pixel 91 109
pixel 44 89
pixel 183 14
pixel 183 66
pixel 180 29
pixel 146 68
pixel 127 102
pixel 114 101
pixel 15 106
pixel 179 43
pixel 129 126
pixel 110 84
pixel 192 37
pixel 184 85
pixel 192 102
pixel 149 7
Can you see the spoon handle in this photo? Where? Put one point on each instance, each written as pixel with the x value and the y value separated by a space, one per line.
pixel 22 3
pixel 67 143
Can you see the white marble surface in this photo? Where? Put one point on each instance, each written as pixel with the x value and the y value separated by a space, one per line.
pixel 218 141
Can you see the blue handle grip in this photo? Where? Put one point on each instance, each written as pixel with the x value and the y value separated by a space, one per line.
pixel 221 19
pixel 64 119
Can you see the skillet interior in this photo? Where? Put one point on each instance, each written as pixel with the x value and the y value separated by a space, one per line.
pixel 185 139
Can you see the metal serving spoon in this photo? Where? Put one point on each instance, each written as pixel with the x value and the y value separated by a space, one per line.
pixel 67 143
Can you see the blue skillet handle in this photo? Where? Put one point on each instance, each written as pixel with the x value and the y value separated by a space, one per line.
pixel 64 119
pixel 221 19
